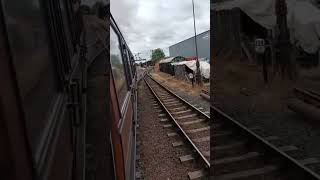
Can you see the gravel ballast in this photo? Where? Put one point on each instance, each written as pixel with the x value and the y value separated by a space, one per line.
pixel 158 158
pixel 195 100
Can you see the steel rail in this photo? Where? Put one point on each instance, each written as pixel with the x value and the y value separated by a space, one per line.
pixel 203 158
pixel 314 93
pixel 289 161
pixel 177 96
pixel 308 93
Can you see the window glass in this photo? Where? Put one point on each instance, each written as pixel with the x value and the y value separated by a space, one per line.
pixel 34 66
pixel 117 65
pixel 132 65
pixel 129 66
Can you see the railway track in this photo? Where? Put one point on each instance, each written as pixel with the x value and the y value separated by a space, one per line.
pixel 205 94
pixel 188 122
pixel 309 96
pixel 307 104
pixel 240 153
pixel 237 151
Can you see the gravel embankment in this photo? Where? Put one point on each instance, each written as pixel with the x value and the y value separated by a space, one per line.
pixel 158 158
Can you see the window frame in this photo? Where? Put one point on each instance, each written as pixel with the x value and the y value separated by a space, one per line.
pixel 127 64
pixel 133 68
pixel 59 36
pixel 122 104
pixel 57 42
pixel 69 24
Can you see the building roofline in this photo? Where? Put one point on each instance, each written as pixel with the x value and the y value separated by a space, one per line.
pixel 189 38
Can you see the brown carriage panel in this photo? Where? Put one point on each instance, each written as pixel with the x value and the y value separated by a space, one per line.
pixel 126 129
pixel 13 133
pixel 61 153
pixel 115 135
pixel 117 153
pixel 5 161
pixel 34 65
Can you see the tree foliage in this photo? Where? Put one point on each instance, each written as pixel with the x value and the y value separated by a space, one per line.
pixel 157 54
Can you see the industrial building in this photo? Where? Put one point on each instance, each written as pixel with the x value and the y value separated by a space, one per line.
pixel 186 48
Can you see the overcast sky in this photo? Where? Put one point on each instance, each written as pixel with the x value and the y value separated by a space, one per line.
pixel 150 24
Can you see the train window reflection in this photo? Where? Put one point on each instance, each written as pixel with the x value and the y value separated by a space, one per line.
pixel 118 70
pixel 33 62
pixel 129 66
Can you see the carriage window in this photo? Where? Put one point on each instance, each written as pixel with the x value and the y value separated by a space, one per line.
pixel 129 66
pixel 133 66
pixel 33 62
pixel 118 70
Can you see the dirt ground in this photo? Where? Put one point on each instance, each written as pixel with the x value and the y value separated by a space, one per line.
pixel 179 84
pixel 239 91
pixel 235 78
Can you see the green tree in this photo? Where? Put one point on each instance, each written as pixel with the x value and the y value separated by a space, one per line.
pixel 157 54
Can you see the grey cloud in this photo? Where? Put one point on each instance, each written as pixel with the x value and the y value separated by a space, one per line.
pixel 154 24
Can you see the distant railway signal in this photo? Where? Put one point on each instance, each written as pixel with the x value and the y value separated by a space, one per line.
pixel 260 46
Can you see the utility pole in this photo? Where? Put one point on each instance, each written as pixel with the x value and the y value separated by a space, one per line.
pixel 284 57
pixel 260 51
pixel 198 73
pixel 151 56
pixel 138 55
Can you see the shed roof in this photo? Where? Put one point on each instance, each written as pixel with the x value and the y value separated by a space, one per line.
pixel 303 19
pixel 170 59
pixel 166 60
pixel 204 67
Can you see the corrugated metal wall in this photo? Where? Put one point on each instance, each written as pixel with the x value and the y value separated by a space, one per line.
pixel 186 48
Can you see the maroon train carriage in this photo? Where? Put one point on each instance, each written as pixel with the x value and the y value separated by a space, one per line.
pixel 67 106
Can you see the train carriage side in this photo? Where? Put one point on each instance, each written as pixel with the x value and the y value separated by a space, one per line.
pixel 43 92
pixel 123 103
pixel 39 93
